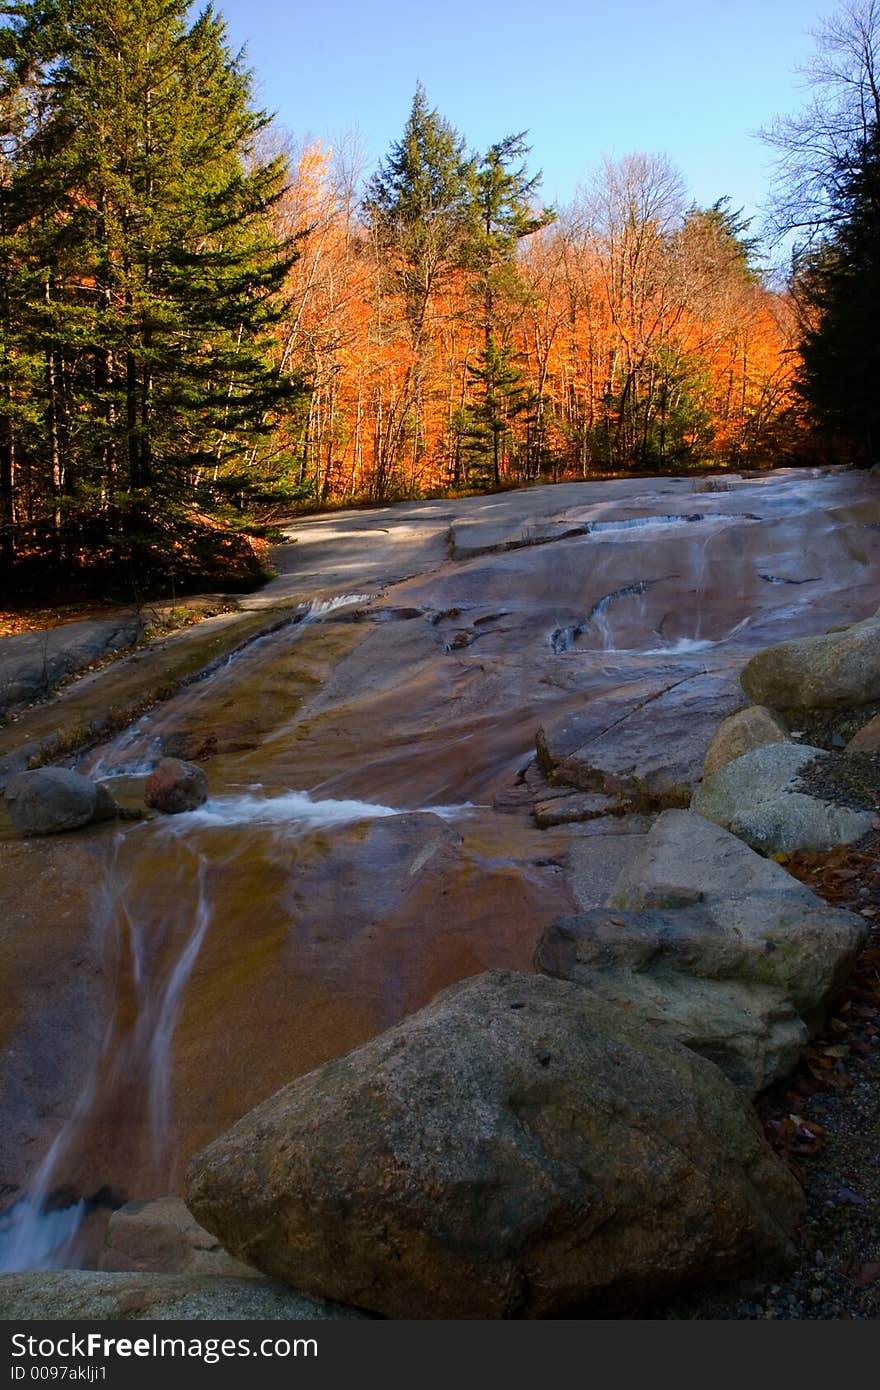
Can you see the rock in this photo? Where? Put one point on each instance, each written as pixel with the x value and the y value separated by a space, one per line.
pixel 49 800
pixel 653 963
pixel 81 1294
pixel 594 860
pixel 33 663
pixel 174 786
pixel 769 928
pixel 839 669
pixel 741 732
pixel 106 806
pixel 162 1237
pixel 867 740
pixel 16 761
pixel 646 743
pixel 190 745
pixel 757 797
pixel 518 1148
pixel 567 810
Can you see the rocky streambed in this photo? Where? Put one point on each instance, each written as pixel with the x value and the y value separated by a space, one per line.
pixel 491 747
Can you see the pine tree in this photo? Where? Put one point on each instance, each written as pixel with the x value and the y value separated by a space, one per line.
pixel 501 397
pixel 420 206
pixel 504 214
pixel 839 288
pixel 159 278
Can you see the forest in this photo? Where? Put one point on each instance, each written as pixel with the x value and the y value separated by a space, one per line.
pixel 204 326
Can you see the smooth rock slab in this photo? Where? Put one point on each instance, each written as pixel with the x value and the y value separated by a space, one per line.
pixel 516 1149
pixel 757 797
pixel 32 663
pixel 838 669
pixel 162 1237
pixel 79 1294
pixel 740 733
pixel 647 743
pixel 769 928
pixel 653 963
pixel 50 800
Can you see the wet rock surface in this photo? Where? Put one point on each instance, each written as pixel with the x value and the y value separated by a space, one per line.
pixel 517 1149
pixel 175 786
pixel 51 800
pixel 265 905
pixel 764 798
pixel 33 663
pixel 644 746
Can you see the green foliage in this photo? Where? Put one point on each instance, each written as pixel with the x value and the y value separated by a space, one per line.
pixel 501 397
pixel 420 205
pixel 140 280
pixel 838 284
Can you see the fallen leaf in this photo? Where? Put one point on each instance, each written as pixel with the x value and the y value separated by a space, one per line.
pixel 868 1274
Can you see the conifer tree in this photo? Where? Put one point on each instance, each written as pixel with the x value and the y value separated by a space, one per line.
pixel 154 280
pixel 504 214
pixel 839 289
pixel 420 206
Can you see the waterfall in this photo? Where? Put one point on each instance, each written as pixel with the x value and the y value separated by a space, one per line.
pixel 34 1232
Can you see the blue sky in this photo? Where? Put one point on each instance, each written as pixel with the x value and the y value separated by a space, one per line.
pixel 688 79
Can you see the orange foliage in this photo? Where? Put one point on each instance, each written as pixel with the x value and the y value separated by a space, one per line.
pixel 676 345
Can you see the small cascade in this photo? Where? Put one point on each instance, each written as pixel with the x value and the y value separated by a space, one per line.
pixel 36 1232
pixel 563 639
pixel 135 751
pixel 644 523
pixel 295 808
pixel 319 607
pixel 158 1017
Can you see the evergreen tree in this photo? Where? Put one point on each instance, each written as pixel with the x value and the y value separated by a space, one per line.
pixel 838 285
pixel 501 397
pixel 154 279
pixel 420 205
pixel 503 214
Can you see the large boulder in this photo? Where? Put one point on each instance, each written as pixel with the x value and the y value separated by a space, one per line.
pixel 49 800
pixel 654 964
pixel 741 732
pixel 759 798
pixel 769 929
pixel 93 1296
pixel 839 669
pixel 162 1237
pixel 175 786
pixel 516 1149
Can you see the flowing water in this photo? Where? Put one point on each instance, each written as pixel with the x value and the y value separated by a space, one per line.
pixel 352 858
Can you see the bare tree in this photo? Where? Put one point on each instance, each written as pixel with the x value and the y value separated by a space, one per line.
pixel 818 147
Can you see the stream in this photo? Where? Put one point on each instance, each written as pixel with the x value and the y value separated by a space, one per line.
pixel 362 846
